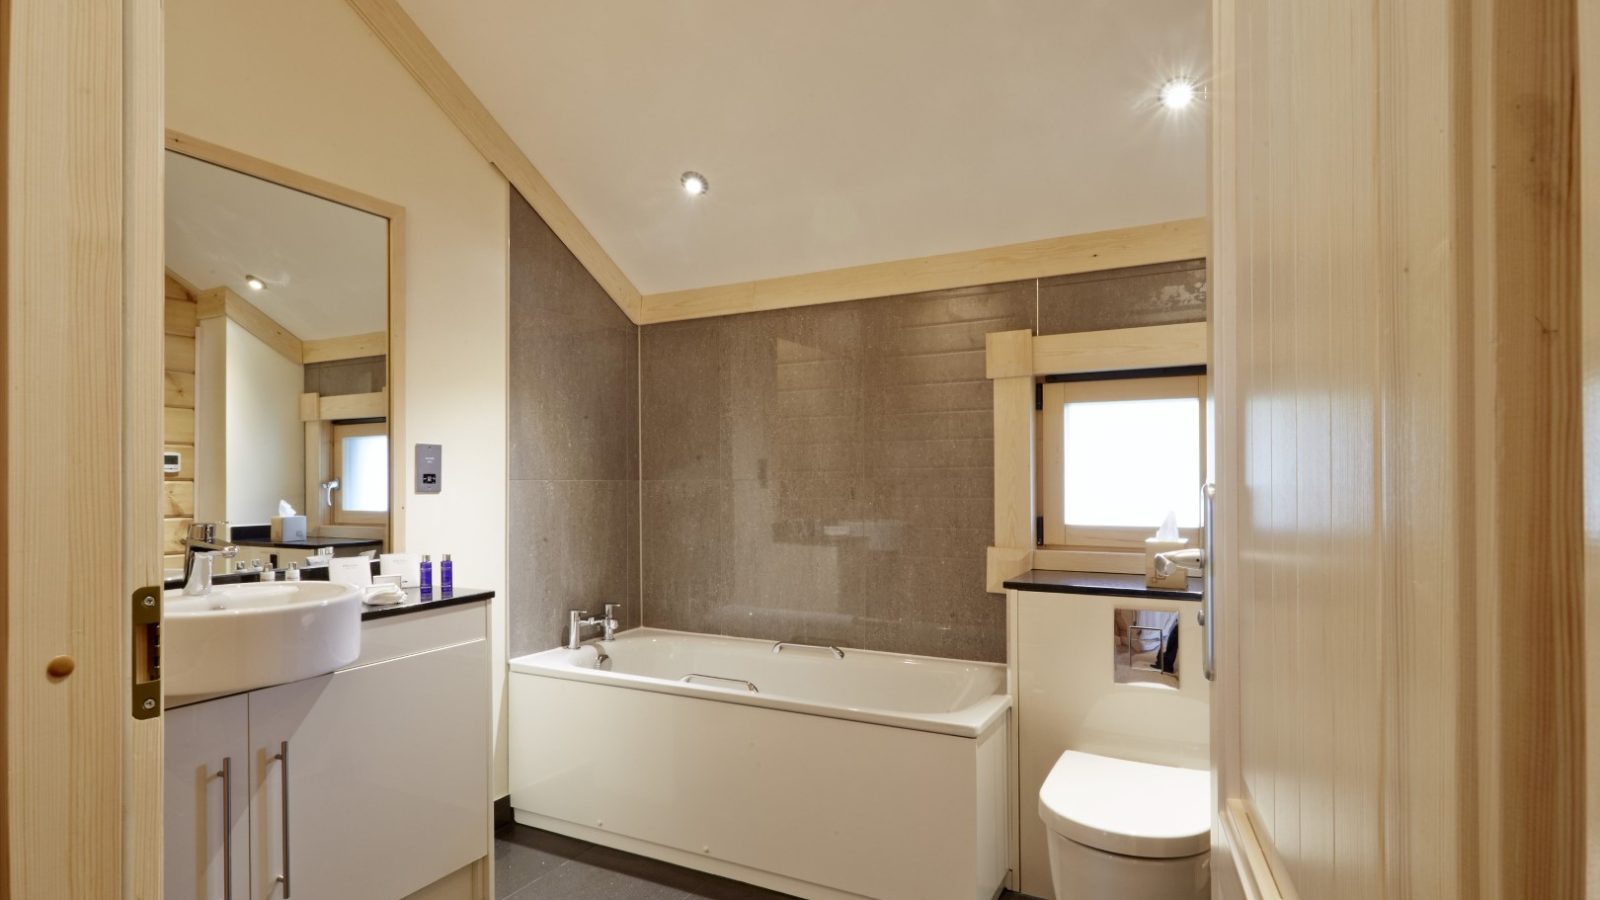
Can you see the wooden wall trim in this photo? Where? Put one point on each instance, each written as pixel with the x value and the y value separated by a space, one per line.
pixel 1151 347
pixel 1096 251
pixel 355 346
pixel 418 55
pixel 222 301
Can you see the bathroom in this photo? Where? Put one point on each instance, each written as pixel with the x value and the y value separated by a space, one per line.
pixel 899 451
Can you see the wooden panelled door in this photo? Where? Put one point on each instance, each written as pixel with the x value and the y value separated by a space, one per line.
pixel 82 269
pixel 1398 709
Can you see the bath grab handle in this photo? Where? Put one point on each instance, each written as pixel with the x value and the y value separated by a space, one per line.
pixel 837 653
pixel 227 827
pixel 748 685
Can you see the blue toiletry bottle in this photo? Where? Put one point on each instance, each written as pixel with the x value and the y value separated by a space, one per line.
pixel 446 576
pixel 425 575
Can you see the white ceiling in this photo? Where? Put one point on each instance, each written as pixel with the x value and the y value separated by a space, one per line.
pixel 837 132
pixel 326 265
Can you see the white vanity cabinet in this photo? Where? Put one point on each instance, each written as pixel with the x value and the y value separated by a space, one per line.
pixel 207 759
pixel 387 765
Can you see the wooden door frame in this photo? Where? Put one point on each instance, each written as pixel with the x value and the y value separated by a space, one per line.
pixel 82 424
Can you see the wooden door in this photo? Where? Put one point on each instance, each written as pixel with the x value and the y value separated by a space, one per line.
pixel 82 363
pixel 1398 706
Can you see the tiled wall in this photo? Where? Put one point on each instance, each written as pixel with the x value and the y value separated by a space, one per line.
pixel 826 473
pixel 574 442
pixel 822 474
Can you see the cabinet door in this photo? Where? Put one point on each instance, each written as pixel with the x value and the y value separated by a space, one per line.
pixel 388 777
pixel 207 836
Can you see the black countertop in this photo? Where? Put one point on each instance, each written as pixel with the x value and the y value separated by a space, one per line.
pixel 311 544
pixel 1103 583
pixel 414 602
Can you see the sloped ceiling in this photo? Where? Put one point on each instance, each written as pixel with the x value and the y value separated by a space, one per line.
pixel 837 132
pixel 326 265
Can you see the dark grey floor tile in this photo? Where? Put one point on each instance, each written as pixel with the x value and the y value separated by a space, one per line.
pixel 523 855
pixel 580 879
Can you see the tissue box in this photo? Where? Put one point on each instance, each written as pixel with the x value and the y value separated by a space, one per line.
pixel 288 528
pixel 1178 580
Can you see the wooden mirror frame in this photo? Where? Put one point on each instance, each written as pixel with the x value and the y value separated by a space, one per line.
pixel 394 359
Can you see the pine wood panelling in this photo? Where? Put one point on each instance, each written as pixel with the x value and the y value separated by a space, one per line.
pixel 179 353
pixel 179 499
pixel 173 531
pixel 178 414
pixel 1096 251
pixel 179 425
pixel 180 389
pixel 179 316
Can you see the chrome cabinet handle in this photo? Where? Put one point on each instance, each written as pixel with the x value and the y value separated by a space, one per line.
pixel 227 827
pixel 1208 596
pixel 283 757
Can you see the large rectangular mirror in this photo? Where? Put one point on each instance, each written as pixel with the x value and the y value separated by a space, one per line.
pixel 279 375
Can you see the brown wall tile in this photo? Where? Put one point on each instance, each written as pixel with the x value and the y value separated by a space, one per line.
pixel 1162 294
pixel 573 524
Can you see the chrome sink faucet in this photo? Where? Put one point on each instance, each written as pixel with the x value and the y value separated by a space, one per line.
pixel 576 622
pixel 199 583
pixel 202 536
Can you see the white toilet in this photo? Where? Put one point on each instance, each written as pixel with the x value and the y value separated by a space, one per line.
pixel 1127 830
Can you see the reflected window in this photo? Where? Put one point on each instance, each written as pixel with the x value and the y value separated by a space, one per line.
pixel 361 466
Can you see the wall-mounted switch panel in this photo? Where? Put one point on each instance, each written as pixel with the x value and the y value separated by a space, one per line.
pixel 171 462
pixel 430 468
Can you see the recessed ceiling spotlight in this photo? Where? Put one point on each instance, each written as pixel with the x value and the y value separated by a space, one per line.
pixel 254 283
pixel 1178 93
pixel 694 184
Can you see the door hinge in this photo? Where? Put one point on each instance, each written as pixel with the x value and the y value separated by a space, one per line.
pixel 1038 531
pixel 1038 397
pixel 146 675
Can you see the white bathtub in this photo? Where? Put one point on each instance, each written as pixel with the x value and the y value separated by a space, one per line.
pixel 875 775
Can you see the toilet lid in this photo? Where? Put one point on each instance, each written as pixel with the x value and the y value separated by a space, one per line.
pixel 1131 808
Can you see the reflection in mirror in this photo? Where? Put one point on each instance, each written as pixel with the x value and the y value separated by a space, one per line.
pixel 277 367
pixel 1145 644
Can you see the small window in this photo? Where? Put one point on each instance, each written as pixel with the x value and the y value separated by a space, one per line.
pixel 1116 456
pixel 361 466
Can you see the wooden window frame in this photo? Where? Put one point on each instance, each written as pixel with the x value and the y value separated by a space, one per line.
pixel 337 514
pixel 1058 535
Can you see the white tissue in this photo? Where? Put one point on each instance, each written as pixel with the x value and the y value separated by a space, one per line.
pixel 1169 528
pixel 284 509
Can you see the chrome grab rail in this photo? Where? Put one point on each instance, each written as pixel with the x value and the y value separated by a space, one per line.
pixel 837 653
pixel 283 756
pixel 227 827
pixel 748 685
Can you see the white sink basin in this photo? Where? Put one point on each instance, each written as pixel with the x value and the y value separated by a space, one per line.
pixel 245 636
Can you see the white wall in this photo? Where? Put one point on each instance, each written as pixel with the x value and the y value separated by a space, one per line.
pixel 304 84
pixel 266 443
